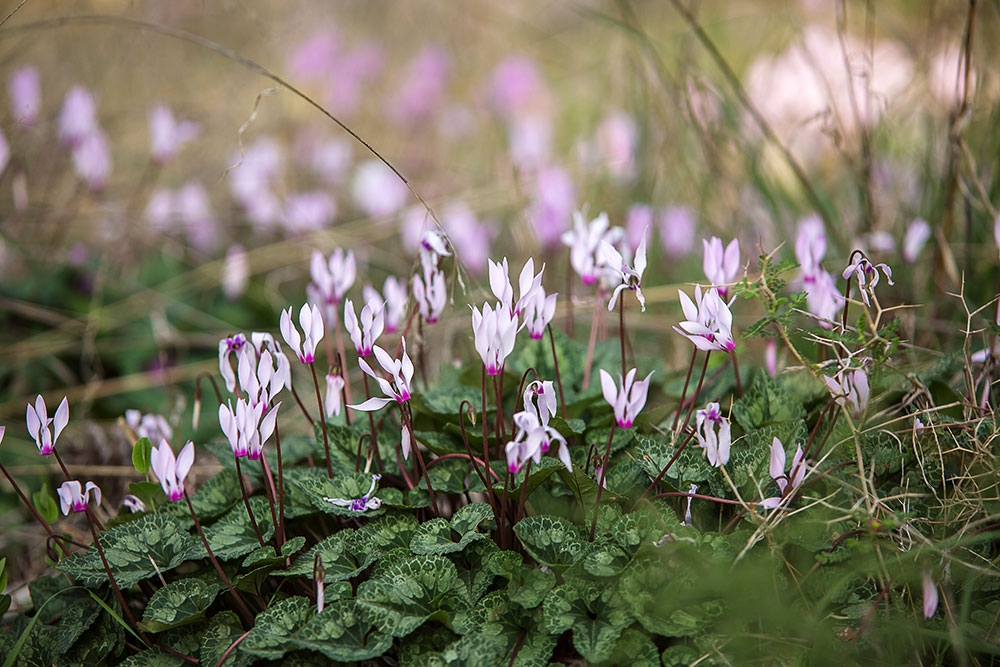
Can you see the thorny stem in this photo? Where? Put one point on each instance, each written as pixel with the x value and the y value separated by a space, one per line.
pixel 555 365
pixel 322 420
pixel 114 583
pixel 687 380
pixel 240 605
pixel 31 508
pixel 246 501
pixel 600 482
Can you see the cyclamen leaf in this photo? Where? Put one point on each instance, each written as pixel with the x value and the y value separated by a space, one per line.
pixel 177 603
pixel 596 614
pixel 766 403
pixel 402 597
pixel 391 531
pixel 233 536
pixel 136 550
pixel 551 540
pixel 471 565
pixel 315 485
pixel 224 629
pixel 216 495
pixel 345 554
pixel 342 633
pixel 434 536
pixel 265 555
pixel 271 636
pixel 141 452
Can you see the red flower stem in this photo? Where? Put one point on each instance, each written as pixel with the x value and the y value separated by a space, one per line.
pixel 246 501
pixel 371 424
pixel 281 485
pixel 621 328
pixel 569 294
pixel 555 364
pixel 687 381
pixel 486 450
pixel 524 493
pixel 114 583
pixel 408 418
pixel 303 407
pixel 322 420
pixel 736 370
pixel 240 604
pixel 600 482
pixel 340 351
pixel 31 508
pixel 271 493
pixel 476 462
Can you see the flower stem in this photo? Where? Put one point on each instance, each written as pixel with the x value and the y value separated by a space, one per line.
pixel 340 351
pixel 736 370
pixel 240 604
pixel 621 328
pixel 408 417
pixel 590 344
pixel 271 493
pixel 322 418
pixel 687 381
pixel 524 493
pixel 303 407
pixel 246 501
pixel 31 508
pixel 371 424
pixel 555 365
pixel 281 486
pixel 600 482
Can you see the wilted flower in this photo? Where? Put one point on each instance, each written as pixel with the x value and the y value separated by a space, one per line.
pixel 913 242
pixel 786 484
pixel 538 312
pixel 713 433
pixel 850 388
pixel 25 94
pixel 372 324
pixel 334 402
pixel 629 277
pixel 721 266
pixel 867 274
pixel 430 297
pixel 362 504
pixel 626 399
pixel 709 323
pixel 311 321
pixel 167 135
pixel 397 387
pixel 172 471
pixel 73 497
pixel 494 330
pixel 38 423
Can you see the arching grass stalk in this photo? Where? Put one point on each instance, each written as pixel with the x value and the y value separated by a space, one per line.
pixel 600 482
pixel 241 606
pixel 246 501
pixel 322 419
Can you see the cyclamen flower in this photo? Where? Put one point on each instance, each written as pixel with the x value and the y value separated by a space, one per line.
pixel 430 294
pixel 172 471
pixel 709 323
pixel 334 403
pixel 264 384
pixel 786 484
pixel 677 231
pixel 810 246
pixel 867 275
pixel 532 440
pixel 913 242
pixel 311 321
pixel 78 117
pixel 583 241
pixel 527 283
pixel 74 497
pixel 133 504
pixel 38 422
pixel 626 399
pixel 362 504
pixel 228 346
pixel 930 594
pixel 25 94
pixel 331 278
pixel 395 296
pixel 235 272
pixel 372 324
pixel 92 159
pixel 167 135
pixel 494 330
pixel 721 266
pixel 850 388
pixel 397 387
pixel 715 442
pixel 538 312
pixel 823 299
pixel 629 277
pixel 152 426
pixel 544 403
pixel 431 249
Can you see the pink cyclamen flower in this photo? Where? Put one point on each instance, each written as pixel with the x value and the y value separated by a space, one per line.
pixel 133 504
pixel 167 135
pixel 172 471
pixel 430 294
pixel 235 272
pixel 377 191
pixel 713 434
pixel 538 312
pixel 263 383
pixel 311 321
pixel 533 439
pixel 152 426
pixel 372 324
pixel 867 275
pixel 616 140
pixel 628 277
pixel 331 278
pixel 810 246
pixel 721 265
pixel 583 240
pixel 248 428
pixel 850 389
pixel 362 504
pixel 78 117
pixel 228 346
pixel 626 399
pixel 677 230
pixel 709 323
pixel 394 292
pixel 432 247
pixel 930 594
pixel 823 299
pixel 92 159
pixel 786 483
pixel 397 387
pixel 73 497
pixel 470 236
pixel 554 201
pixel 334 403
pixel 771 357
pixel 25 94
pixel 38 423
pixel 309 211
pixel 494 331
pixel 527 283
pixel 540 398
pixel 423 86
pixel 916 236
